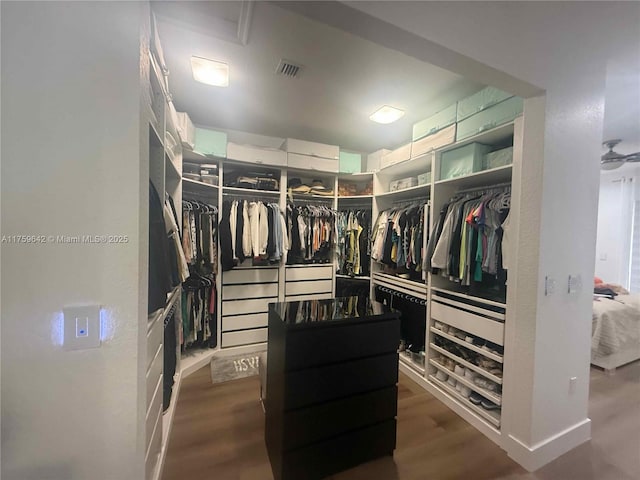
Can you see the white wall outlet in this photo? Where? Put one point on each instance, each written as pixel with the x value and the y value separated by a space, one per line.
pixel 81 327
pixel 572 384
pixel 603 257
pixel 549 286
pixel 574 284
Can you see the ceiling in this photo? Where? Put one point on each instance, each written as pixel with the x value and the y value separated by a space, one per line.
pixel 344 77
pixel 343 80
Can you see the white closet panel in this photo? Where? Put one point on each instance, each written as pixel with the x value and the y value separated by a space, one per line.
pixel 302 288
pixel 155 336
pixel 155 445
pixel 244 337
pixel 154 409
pixel 242 322
pixel 256 290
pixel 238 276
pixel 239 307
pixel 309 273
pixel 153 374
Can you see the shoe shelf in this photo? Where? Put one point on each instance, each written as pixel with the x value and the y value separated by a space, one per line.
pixel 488 394
pixel 483 323
pixel 466 364
pixel 186 182
pixel 466 297
pixel 403 285
pixel 418 191
pixel 491 416
pixel 408 361
pixel 470 346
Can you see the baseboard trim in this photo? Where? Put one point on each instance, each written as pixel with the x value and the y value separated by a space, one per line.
pixel 534 457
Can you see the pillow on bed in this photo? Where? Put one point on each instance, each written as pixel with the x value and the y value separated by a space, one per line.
pixel 597 280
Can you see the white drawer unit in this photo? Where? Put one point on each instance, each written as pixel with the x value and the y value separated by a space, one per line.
pixel 308 287
pixel 307 162
pixel 312 149
pixel 396 156
pixel 155 336
pixel 243 322
pixel 324 272
pixel 241 307
pixel 153 448
pixel 154 409
pixel 255 290
pixel 299 298
pixel 153 374
pixel 491 329
pixel 244 337
pixel 253 275
pixel 257 155
pixel 433 142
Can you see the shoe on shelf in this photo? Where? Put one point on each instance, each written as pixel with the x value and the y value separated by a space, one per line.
pixel 493 348
pixel 452 381
pixel 486 384
pixel 496 372
pixel 440 375
pixel 459 370
pixel 465 391
pixel 468 339
pixel 476 398
pixel 478 342
pixel 489 405
pixel 438 325
pixel 449 364
pixel 470 374
pixel 446 328
pixel 460 334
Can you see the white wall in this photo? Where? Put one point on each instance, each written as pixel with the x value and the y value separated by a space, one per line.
pixel 562 48
pixel 71 165
pixel 615 210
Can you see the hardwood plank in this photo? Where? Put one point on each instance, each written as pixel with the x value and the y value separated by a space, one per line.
pixel 219 433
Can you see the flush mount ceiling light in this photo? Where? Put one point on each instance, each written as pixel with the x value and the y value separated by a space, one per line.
pixel 386 114
pixel 210 72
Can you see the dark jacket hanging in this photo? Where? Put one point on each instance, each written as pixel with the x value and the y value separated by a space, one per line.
pixel 160 277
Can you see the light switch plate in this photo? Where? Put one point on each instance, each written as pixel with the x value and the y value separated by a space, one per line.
pixel 81 327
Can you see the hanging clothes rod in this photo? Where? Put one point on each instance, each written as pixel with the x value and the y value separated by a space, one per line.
pixel 251 197
pixel 300 199
pixel 200 197
pixel 487 188
pixel 411 201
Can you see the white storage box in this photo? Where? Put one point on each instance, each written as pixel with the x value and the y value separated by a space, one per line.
pixel 396 156
pixel 424 178
pixel 499 158
pixel 403 184
pixel 462 161
pixel 306 162
pixel 435 122
pixel 374 159
pixel 257 155
pixel 186 130
pixel 312 149
pixel 439 139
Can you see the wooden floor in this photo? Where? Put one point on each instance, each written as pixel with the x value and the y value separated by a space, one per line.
pixel 218 434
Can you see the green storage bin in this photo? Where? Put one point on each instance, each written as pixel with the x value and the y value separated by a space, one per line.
pixel 350 162
pixel 499 158
pixel 479 101
pixel 499 114
pixel 435 123
pixel 211 142
pixel 462 161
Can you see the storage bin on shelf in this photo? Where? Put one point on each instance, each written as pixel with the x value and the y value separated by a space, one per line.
pixel 424 178
pixel 350 162
pixel 499 158
pixel 186 130
pixel 434 123
pixel 480 101
pixel 434 141
pixel 403 184
pixel 374 159
pixel 255 154
pixel 398 155
pixel 494 116
pixel 312 156
pixel 462 161
pixel 210 142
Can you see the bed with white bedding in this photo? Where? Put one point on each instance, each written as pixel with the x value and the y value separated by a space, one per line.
pixel 615 334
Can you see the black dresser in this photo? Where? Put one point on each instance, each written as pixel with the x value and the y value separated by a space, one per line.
pixel 332 373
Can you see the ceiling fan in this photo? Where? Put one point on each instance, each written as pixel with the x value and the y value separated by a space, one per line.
pixel 612 160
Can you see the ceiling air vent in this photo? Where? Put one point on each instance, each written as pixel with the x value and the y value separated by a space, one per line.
pixel 288 69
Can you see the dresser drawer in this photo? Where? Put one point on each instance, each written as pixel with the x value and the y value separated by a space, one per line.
pixel 310 348
pixel 312 149
pixel 244 337
pixel 153 448
pixel 308 287
pixel 315 296
pixel 494 116
pixel 154 408
pixel 435 123
pixel 321 384
pixel 240 276
pixel 396 156
pixel 243 322
pixel 309 273
pixel 153 374
pixel 240 307
pixel 310 425
pixel 306 162
pixel 469 322
pixel 479 101
pixel 256 290
pixel 439 139
pixel 155 336
pixel 253 154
